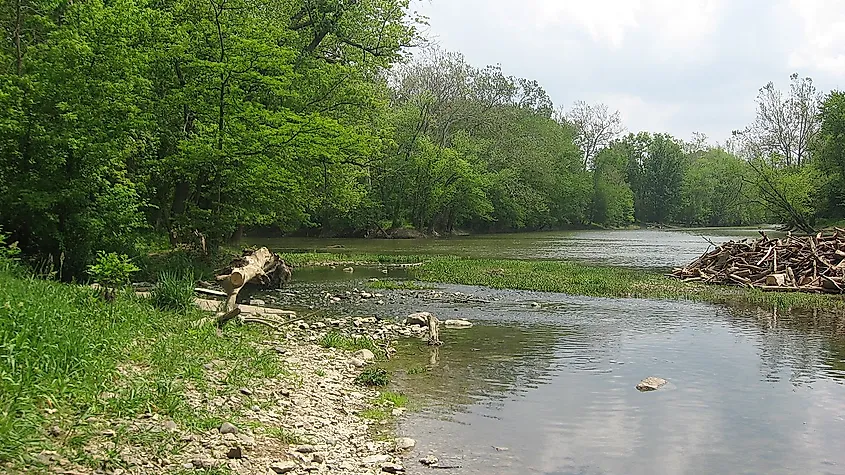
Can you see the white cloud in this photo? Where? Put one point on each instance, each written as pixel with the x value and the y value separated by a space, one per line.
pixel 823 46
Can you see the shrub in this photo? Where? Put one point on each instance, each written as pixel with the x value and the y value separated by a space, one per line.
pixel 112 271
pixel 373 377
pixel 174 291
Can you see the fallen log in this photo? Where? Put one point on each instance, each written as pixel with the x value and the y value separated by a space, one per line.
pixel 795 264
pixel 262 267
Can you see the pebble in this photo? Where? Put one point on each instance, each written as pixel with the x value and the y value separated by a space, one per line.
pixel 227 428
pixel 429 461
pixel 357 362
pixel 170 426
pixel 234 453
pixel 375 459
pixel 392 468
pixel 305 449
pixel 405 443
pixel 283 467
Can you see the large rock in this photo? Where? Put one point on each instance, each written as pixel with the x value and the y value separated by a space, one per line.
pixel 652 383
pixel 364 354
pixel 392 468
pixel 457 323
pixel 419 318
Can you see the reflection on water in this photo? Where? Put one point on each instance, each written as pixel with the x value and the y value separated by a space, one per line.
pixel 748 393
pixel 551 390
pixel 630 248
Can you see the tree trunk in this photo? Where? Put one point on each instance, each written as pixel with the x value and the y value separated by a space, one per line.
pixel 262 267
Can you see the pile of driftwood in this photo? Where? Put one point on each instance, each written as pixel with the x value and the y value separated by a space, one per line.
pixel 805 264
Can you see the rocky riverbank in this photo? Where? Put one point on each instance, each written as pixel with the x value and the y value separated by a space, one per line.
pixel 312 418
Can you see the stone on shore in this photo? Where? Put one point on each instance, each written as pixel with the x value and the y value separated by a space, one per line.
pixel 419 318
pixel 405 443
pixel 364 354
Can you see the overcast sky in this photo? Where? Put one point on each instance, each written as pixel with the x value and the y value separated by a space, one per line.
pixel 677 66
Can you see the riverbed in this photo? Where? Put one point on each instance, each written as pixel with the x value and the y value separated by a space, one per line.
pixel 545 383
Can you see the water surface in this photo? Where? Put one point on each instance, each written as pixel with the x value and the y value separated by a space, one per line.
pixel 629 248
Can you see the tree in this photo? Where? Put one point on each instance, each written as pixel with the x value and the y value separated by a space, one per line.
pixel 595 127
pixel 656 168
pixel 785 126
pixel 830 152
pixel 613 199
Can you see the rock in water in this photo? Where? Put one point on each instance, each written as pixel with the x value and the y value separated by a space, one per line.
pixel 348 269
pixel 405 443
pixel 419 318
pixel 364 354
pixel 227 428
pixel 457 324
pixel 651 383
pixel 429 461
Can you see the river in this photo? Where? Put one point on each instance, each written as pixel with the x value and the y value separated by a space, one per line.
pixel 551 389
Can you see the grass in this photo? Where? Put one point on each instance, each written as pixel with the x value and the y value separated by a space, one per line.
pixel 398 285
pixel 390 398
pixel 376 414
pixel 66 355
pixel 305 259
pixel 579 279
pixel 174 291
pixel 285 436
pixel 345 342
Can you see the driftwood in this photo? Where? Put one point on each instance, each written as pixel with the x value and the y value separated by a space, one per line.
pixel 261 267
pixel 791 264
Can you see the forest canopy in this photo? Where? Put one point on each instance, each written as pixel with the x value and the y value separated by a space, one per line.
pixel 124 122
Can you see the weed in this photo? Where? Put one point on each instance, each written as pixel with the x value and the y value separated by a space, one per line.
pixel 375 414
pixel 373 377
pixel 399 285
pixel 391 398
pixel 285 436
pixel 174 291
pixel 320 373
pixel 417 370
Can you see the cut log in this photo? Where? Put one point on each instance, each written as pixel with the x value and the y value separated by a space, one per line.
pixel 778 280
pixel 261 267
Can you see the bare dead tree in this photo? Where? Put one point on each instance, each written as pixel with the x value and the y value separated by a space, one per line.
pixel 786 124
pixel 595 127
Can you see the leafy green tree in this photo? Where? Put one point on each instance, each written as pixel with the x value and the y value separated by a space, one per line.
pixel 831 153
pixel 613 199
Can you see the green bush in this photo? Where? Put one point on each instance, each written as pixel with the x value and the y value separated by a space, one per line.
pixel 112 270
pixel 174 291
pixel 373 377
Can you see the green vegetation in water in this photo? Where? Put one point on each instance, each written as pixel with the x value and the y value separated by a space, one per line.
pixel 390 398
pixel 306 259
pixel 61 345
pixel 399 285
pixel 374 377
pixel 417 370
pixel 345 342
pixel 578 279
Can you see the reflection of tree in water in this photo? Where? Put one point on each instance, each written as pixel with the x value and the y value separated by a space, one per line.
pixel 810 344
pixel 490 364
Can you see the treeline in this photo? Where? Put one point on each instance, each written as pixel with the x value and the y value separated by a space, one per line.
pixel 124 121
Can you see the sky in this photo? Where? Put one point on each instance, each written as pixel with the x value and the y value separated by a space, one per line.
pixel 676 66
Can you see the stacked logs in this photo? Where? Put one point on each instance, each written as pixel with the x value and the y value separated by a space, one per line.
pixel 801 264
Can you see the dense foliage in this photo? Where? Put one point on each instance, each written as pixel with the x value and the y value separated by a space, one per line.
pixel 130 122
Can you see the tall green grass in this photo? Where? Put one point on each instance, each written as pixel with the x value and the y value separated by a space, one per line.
pixel 65 354
pixel 174 291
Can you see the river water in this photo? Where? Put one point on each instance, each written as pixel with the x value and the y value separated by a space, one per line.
pixel 551 389
pixel 628 248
